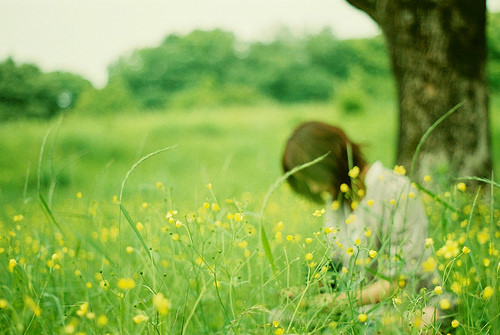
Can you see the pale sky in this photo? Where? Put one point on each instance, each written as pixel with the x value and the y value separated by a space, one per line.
pixel 85 36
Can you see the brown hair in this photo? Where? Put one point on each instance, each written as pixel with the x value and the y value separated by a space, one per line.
pixel 311 140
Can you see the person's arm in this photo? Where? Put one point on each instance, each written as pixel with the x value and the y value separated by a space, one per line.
pixel 372 293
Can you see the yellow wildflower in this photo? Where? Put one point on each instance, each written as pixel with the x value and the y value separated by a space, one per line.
pixel 161 303
pixel 139 318
pixel 438 290
pixel 32 305
pixel 461 187
pixel 126 283
pixel 444 304
pixel 3 304
pixel 319 212
pixel 429 264
pixel 350 219
pixel 12 264
pixel 354 172
pixel 238 217
pixel 102 320
pixel 487 292
pixel 400 170
pixel 449 250
pixel 455 323
pixel 362 317
pixel 309 256
pixel 83 309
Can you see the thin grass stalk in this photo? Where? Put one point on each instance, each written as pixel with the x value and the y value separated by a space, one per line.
pixel 125 212
pixel 263 236
pixel 428 132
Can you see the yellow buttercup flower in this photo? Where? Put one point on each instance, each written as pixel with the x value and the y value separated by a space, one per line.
pixel 362 317
pixel 461 187
pixel 444 304
pixel 83 309
pixel 449 250
pixel 429 264
pixel 438 290
pixel 400 170
pixel 319 212
pixel 140 318
pixel 354 172
pixel 126 283
pixel 161 303
pixel 487 292
pixel 238 217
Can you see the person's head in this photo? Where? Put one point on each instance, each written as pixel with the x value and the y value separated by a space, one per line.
pixel 311 140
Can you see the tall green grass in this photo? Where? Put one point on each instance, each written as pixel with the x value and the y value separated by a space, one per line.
pixel 177 250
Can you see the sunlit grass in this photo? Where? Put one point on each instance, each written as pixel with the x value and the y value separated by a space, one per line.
pixel 187 257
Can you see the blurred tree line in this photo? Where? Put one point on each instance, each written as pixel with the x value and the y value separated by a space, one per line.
pixel 25 91
pixel 214 68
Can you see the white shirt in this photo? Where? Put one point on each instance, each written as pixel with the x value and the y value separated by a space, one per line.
pixel 392 216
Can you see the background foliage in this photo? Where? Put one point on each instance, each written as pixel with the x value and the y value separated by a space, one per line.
pixel 214 68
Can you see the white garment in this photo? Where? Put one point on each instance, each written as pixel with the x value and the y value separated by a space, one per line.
pixel 393 214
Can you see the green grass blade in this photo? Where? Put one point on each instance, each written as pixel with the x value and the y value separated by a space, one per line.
pixel 483 180
pixel 428 132
pixel 136 164
pixel 137 233
pixel 42 149
pixel 46 207
pixel 437 198
pixel 263 236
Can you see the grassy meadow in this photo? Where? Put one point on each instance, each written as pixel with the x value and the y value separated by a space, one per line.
pixel 91 244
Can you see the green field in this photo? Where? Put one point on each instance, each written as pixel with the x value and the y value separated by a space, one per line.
pixel 73 261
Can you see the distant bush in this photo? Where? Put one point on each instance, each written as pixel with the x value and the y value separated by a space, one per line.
pixel 207 94
pixel 25 91
pixel 114 98
pixel 288 69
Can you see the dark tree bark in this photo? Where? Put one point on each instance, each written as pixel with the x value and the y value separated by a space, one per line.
pixel 438 55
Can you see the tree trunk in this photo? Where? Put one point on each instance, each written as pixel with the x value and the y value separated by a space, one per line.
pixel 438 54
